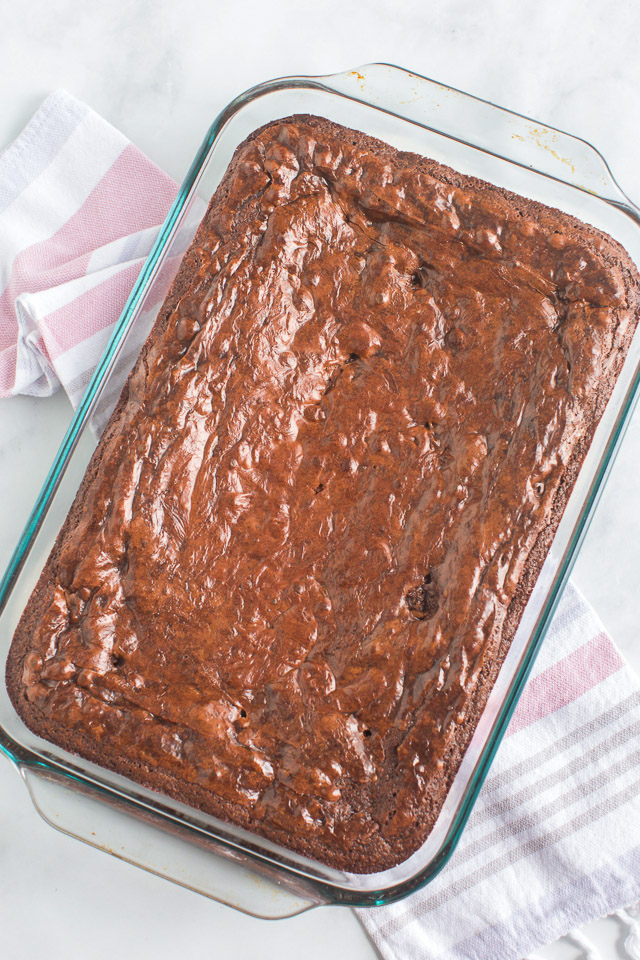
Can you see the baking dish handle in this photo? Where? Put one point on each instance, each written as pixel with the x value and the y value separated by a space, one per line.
pixel 78 812
pixel 479 123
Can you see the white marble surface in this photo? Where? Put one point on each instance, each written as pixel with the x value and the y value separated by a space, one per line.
pixel 160 71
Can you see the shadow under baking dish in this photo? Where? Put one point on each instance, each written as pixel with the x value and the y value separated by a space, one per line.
pixel 168 838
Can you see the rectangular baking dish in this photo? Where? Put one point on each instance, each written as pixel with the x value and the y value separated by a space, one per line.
pixel 162 835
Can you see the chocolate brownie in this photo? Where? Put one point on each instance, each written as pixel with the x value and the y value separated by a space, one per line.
pixel 305 541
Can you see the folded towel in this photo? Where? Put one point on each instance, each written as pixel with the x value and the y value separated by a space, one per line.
pixel 554 839
pixel 80 208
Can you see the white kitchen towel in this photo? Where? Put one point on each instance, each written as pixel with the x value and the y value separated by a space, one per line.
pixel 80 207
pixel 554 838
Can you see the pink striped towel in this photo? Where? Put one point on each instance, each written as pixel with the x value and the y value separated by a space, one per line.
pixel 79 210
pixel 554 839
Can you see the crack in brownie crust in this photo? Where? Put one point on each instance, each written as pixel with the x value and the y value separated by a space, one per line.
pixel 307 536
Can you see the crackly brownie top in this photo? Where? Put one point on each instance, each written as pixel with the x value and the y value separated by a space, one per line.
pixel 290 565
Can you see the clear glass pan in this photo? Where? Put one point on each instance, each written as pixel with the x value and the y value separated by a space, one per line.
pixel 155 832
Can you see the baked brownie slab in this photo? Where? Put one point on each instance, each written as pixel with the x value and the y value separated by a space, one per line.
pixel 307 536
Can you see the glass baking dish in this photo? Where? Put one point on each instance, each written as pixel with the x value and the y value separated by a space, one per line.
pixel 153 831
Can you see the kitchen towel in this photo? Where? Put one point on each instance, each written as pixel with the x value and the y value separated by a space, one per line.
pixel 554 840
pixel 80 207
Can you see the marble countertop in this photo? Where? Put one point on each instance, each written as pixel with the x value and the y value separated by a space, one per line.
pixel 160 72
